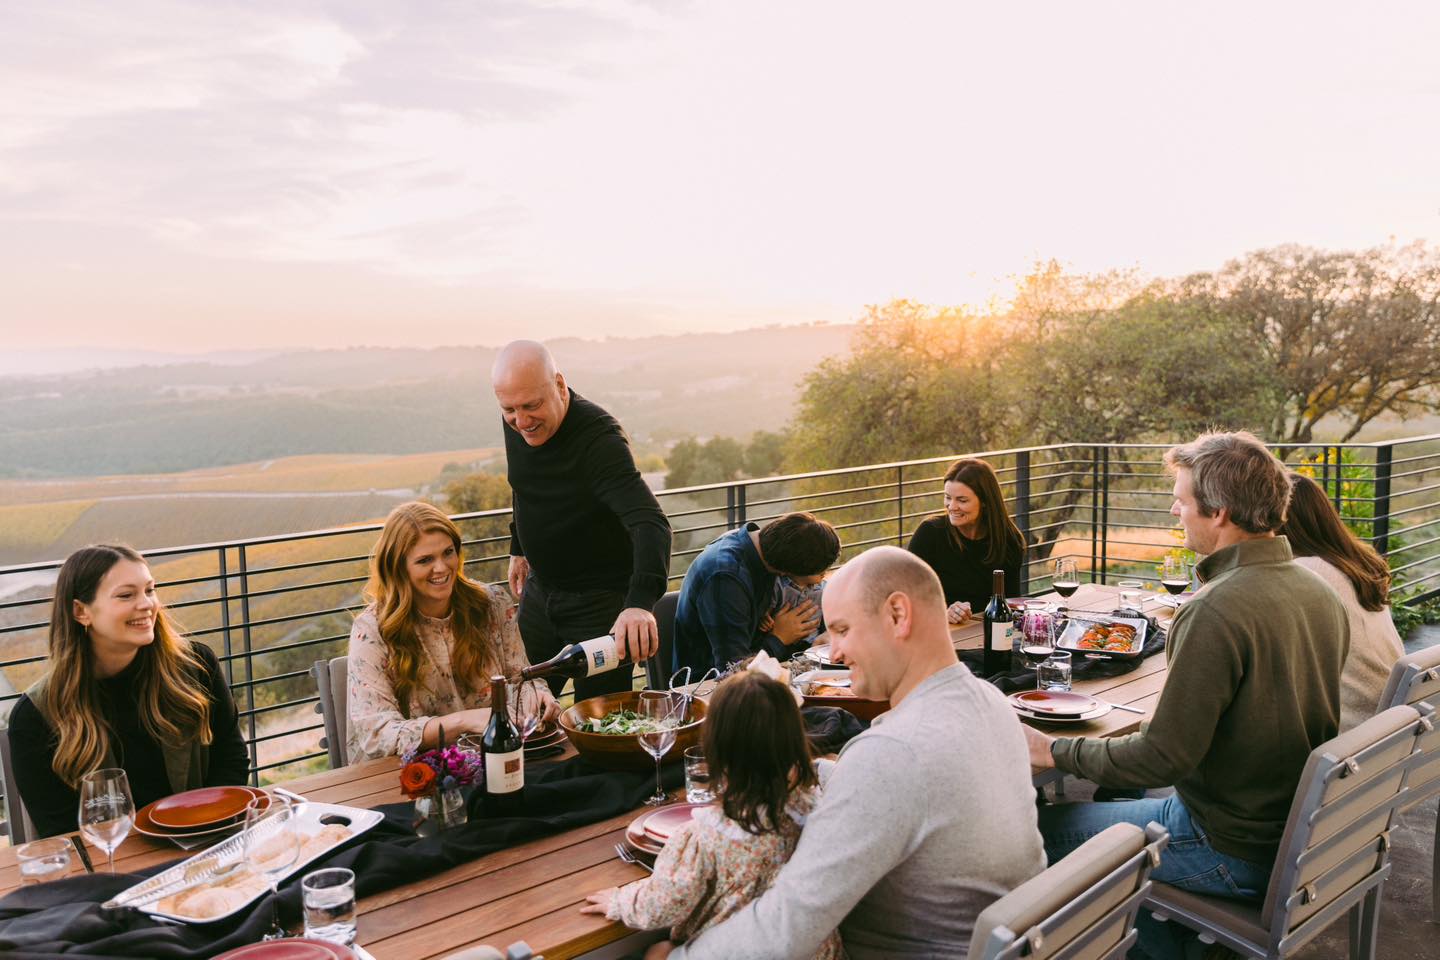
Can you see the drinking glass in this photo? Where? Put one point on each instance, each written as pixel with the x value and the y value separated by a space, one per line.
pixel 1037 637
pixel 43 860
pixel 1175 576
pixel 328 897
pixel 523 705
pixel 1132 595
pixel 1055 672
pixel 697 776
pixel 656 705
pixel 272 845
pixel 1066 578
pixel 106 809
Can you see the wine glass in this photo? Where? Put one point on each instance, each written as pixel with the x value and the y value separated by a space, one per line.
pixel 272 845
pixel 1037 630
pixel 106 809
pixel 656 706
pixel 1066 579
pixel 1175 575
pixel 523 704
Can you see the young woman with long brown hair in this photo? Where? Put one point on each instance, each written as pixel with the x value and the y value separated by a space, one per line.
pixel 423 651
pixel 124 689
pixel 972 539
pixel 1322 543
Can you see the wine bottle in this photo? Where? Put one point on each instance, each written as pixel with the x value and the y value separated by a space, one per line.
pixel 583 659
pixel 999 629
pixel 504 756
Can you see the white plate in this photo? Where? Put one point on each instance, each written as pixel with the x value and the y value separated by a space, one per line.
pixel 232 849
pixel 1098 712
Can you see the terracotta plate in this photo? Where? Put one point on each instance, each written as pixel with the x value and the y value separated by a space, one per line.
pixel 145 824
pixel 665 821
pixel 638 839
pixel 1055 702
pixel 292 949
pixel 205 807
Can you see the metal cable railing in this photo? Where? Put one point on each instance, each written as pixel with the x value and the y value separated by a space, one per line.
pixel 270 606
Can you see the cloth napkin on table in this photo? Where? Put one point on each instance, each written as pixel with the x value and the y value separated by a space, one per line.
pixel 63 918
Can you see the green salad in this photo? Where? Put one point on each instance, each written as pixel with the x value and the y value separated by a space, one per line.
pixel 621 723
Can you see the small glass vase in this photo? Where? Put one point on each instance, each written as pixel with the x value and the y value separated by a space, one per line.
pixel 439 811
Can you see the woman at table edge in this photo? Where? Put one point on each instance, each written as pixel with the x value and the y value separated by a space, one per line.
pixel 1323 544
pixel 423 651
pixel 973 538
pixel 124 689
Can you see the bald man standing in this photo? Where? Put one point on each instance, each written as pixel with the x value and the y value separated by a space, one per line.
pixel 589 544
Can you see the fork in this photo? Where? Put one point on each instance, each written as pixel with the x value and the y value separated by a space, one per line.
pixel 629 857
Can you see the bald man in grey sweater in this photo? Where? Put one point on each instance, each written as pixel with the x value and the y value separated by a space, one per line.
pixel 925 819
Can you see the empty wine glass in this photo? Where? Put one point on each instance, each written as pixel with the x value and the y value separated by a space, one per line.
pixel 656 706
pixel 272 845
pixel 106 809
pixel 1066 579
pixel 524 705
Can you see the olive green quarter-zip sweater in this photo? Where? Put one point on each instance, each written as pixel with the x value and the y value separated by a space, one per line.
pixel 1253 686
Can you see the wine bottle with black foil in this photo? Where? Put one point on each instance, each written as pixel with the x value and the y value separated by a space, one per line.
pixel 999 629
pixel 504 756
pixel 583 659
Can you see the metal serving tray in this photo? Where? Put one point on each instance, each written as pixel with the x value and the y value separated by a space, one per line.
pixel 311 817
pixel 1076 627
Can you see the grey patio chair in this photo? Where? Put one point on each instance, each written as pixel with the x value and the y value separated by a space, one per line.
pixel 17 821
pixel 1334 856
pixel 1081 907
pixel 331 678
pixel 1415 678
pixel 659 667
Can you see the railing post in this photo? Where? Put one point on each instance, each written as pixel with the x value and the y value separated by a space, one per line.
pixel 730 523
pixel 1339 482
pixel 1105 518
pixel 1022 510
pixel 249 667
pixel 740 489
pixel 900 505
pixel 1094 513
pixel 1380 524
pixel 225 617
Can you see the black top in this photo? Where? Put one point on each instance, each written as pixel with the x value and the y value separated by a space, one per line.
pixel 583 518
pixel 963 570
pixel 54 806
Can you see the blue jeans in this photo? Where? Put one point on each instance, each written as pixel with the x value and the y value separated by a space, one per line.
pixel 1188 862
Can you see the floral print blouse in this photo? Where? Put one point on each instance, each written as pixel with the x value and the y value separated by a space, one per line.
pixel 709 869
pixel 376 726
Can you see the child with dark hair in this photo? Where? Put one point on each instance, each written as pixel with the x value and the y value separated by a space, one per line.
pixel 730 853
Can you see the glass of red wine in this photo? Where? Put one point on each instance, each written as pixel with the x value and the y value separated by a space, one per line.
pixel 1037 628
pixel 1066 579
pixel 1175 576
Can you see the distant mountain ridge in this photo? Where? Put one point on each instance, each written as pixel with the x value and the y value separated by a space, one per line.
pixel 157 418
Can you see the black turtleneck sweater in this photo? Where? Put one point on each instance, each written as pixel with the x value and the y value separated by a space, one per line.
pixel 54 806
pixel 583 518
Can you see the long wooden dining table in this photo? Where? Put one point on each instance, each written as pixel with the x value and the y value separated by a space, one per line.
pixel 533 891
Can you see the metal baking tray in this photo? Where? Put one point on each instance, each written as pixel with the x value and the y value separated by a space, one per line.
pixel 1076 628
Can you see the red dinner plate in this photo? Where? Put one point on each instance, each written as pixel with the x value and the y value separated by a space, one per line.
pixel 636 837
pixel 200 808
pixel 1056 702
pixel 663 823
pixel 146 825
pixel 292 949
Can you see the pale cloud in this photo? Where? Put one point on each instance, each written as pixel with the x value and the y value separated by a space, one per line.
pixel 658 165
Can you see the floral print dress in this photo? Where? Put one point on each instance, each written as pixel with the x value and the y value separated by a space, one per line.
pixel 709 869
pixel 376 726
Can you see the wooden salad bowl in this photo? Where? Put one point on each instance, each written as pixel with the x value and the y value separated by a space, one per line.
pixel 623 751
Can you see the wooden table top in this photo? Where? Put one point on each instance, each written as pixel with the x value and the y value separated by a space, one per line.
pixel 533 891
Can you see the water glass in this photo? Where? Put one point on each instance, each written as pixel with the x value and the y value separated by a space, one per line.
pixel 328 897
pixel 1132 595
pixel 1054 673
pixel 106 809
pixel 697 776
pixel 43 860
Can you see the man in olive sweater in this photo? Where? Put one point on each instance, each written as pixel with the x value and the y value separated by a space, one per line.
pixel 1253 687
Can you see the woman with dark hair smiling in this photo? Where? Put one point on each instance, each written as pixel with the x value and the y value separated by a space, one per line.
pixel 973 538
pixel 124 689
pixel 1323 544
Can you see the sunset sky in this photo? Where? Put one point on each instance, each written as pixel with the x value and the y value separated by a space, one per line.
pixel 211 175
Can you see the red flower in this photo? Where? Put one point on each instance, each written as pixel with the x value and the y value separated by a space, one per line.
pixel 417 779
